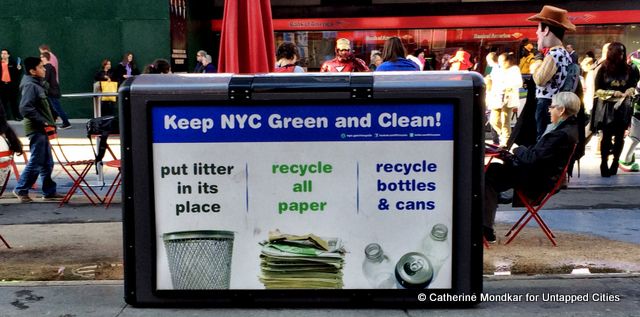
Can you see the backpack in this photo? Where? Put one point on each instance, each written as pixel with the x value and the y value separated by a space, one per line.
pixel 573 78
pixel 102 126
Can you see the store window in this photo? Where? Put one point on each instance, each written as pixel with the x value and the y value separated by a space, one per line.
pixel 317 47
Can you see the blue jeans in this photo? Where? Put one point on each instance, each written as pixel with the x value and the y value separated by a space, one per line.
pixel 543 118
pixel 55 103
pixel 40 164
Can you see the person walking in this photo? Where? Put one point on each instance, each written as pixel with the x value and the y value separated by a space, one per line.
pixel 615 84
pixel 200 56
pixel 507 85
pixel 207 65
pixel 54 59
pixel 38 122
pixel 53 91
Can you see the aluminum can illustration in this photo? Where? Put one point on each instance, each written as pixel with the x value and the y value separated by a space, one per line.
pixel 414 271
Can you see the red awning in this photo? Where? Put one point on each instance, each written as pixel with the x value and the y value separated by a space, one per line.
pixel 246 43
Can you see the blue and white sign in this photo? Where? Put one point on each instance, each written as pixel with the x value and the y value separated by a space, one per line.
pixel 302 123
pixel 355 175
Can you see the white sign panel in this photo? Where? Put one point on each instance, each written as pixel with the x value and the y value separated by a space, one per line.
pixel 314 196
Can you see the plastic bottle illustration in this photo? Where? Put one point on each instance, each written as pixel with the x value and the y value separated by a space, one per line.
pixel 437 246
pixel 377 267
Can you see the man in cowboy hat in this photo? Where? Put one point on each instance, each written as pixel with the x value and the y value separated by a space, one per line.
pixel 344 61
pixel 550 73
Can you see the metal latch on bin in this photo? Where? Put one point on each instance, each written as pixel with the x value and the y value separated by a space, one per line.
pixel 361 87
pixel 240 88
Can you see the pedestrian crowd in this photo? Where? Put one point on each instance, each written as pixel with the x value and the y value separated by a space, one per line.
pixel 569 100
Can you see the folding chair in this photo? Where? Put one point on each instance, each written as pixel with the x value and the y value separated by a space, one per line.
pixel 4 168
pixel 533 206
pixel 108 197
pixel 77 171
pixel 485 243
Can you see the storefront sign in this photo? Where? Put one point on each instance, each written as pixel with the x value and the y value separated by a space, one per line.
pixel 431 22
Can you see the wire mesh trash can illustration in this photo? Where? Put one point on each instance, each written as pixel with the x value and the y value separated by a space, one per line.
pixel 199 259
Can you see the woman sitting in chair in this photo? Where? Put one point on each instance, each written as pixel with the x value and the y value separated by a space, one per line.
pixel 534 169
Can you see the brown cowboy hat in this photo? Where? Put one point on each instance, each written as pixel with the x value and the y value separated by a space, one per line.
pixel 554 16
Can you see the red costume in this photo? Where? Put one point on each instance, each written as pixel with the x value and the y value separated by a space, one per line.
pixel 461 61
pixel 352 64
pixel 344 61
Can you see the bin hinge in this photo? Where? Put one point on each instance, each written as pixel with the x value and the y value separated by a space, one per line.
pixel 240 88
pixel 361 87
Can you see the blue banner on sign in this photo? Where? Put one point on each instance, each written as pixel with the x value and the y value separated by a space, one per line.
pixel 290 123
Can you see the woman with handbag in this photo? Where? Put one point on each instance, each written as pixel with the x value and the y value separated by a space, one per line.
pixel 615 83
pixel 104 78
pixel 508 85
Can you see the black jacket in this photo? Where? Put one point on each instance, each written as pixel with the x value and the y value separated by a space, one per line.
pixel 101 75
pixel 52 86
pixel 539 166
pixel 120 70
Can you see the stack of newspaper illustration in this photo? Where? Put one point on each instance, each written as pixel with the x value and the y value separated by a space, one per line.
pixel 308 261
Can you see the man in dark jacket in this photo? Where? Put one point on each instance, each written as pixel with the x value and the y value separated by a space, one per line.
pixel 34 106
pixel 53 90
pixel 534 169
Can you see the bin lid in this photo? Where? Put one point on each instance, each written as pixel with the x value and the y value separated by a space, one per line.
pixel 198 234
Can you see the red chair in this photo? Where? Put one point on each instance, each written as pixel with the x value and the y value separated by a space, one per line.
pixel 77 171
pixel 108 197
pixel 5 165
pixel 533 206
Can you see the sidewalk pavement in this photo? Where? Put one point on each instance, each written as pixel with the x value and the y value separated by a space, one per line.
pixel 608 295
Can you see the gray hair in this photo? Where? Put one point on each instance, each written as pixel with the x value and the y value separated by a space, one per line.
pixel 374 53
pixel 568 100
pixel 209 59
pixel 202 53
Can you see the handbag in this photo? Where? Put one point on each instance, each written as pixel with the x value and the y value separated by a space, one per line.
pixel 109 86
